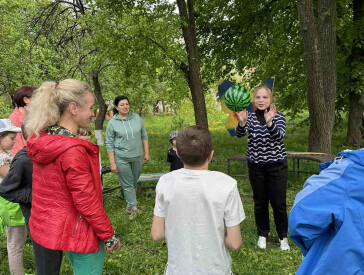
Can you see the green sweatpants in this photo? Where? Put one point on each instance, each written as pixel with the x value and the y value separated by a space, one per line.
pixel 129 171
pixel 89 263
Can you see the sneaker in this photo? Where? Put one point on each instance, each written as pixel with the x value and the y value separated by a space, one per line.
pixel 262 242
pixel 284 244
pixel 132 210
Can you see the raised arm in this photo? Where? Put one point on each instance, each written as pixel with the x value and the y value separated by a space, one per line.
pixel 277 128
pixel 242 128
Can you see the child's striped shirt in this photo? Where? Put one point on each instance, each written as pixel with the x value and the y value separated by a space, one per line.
pixel 265 144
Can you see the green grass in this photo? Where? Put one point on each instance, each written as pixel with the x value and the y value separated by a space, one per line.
pixel 141 255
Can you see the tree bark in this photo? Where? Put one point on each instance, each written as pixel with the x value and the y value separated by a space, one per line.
pixel 99 122
pixel 354 133
pixel 192 73
pixel 355 118
pixel 319 41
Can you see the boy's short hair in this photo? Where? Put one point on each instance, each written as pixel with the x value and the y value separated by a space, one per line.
pixel 84 132
pixel 194 145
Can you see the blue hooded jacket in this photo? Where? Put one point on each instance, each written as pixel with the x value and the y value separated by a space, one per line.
pixel 327 218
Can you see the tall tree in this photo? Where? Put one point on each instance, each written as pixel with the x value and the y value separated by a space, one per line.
pixel 192 71
pixel 319 41
pixel 67 26
pixel 355 63
pixel 154 21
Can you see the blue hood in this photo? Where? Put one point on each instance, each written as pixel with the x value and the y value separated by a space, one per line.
pixel 327 219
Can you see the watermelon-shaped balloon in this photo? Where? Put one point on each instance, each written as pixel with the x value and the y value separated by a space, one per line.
pixel 237 98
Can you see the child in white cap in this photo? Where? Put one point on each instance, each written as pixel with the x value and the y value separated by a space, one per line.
pixel 172 156
pixel 10 214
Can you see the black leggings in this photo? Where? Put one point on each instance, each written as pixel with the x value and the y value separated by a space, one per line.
pixel 47 261
pixel 269 184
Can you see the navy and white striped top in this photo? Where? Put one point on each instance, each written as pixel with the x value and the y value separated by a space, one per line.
pixel 265 144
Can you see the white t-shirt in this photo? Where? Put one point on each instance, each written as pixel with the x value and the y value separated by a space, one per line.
pixel 197 205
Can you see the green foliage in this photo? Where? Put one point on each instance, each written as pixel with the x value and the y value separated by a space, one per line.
pixel 263 35
pixel 5 109
pixel 141 42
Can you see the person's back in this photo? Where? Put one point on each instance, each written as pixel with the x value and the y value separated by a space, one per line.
pixel 193 207
pixel 326 221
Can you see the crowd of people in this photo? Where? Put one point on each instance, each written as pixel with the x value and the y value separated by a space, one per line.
pixel 50 186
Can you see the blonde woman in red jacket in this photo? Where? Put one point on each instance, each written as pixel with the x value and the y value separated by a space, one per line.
pixel 67 212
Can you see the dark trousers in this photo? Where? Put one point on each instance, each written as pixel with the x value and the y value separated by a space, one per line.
pixel 47 261
pixel 269 184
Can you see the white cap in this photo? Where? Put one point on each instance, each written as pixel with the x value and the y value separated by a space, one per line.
pixel 6 125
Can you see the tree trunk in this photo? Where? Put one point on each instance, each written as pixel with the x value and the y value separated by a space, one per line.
pixel 319 41
pixel 354 133
pixel 192 73
pixel 99 122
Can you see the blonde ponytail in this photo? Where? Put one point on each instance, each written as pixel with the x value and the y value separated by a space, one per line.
pixel 51 100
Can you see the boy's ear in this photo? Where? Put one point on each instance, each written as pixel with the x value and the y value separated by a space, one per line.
pixel 210 156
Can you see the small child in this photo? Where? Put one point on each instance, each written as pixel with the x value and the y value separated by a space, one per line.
pixel 10 213
pixel 198 211
pixel 17 187
pixel 84 133
pixel 172 157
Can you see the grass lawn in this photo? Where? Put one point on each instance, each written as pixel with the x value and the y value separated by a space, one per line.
pixel 141 255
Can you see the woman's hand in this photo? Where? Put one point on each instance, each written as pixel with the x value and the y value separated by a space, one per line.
pixel 117 245
pixel 146 157
pixel 242 117
pixel 270 115
pixel 113 168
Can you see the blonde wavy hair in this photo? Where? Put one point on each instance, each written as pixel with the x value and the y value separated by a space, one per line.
pixel 50 101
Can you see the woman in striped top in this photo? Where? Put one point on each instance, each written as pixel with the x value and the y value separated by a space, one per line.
pixel 267 163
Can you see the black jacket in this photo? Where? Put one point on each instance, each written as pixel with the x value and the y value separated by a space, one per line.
pixel 17 184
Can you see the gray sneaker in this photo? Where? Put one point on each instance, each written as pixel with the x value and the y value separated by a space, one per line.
pixel 132 210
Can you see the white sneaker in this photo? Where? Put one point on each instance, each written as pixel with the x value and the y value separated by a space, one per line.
pixel 284 244
pixel 262 242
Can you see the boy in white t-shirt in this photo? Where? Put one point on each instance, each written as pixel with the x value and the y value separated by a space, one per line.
pixel 198 211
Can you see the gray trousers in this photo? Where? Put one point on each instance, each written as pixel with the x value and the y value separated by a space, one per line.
pixel 16 237
pixel 129 171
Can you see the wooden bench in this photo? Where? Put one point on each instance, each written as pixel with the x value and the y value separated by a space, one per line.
pixel 295 156
pixel 142 178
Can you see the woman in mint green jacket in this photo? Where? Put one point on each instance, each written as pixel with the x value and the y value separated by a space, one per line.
pixel 125 139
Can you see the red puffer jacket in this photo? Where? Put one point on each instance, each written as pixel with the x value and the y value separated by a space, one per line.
pixel 67 212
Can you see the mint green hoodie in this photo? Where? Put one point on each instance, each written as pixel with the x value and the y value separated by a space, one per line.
pixel 125 137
